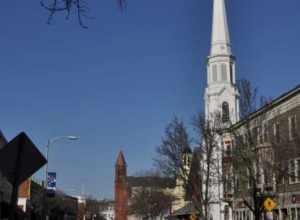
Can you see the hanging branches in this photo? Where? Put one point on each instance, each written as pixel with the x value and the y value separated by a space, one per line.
pixel 79 7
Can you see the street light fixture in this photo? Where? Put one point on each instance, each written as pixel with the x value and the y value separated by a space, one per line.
pixel 50 142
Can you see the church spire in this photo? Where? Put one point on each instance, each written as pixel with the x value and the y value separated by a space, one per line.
pixel 120 159
pixel 121 190
pixel 221 95
pixel 220 40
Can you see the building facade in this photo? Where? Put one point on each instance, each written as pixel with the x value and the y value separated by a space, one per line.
pixel 276 136
pixel 127 186
pixel 108 210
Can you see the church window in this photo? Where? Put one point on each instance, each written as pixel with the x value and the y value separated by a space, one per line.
pixel 225 112
pixel 231 73
pixel 223 72
pixel 214 73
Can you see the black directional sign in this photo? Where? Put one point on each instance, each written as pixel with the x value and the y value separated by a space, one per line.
pixel 20 159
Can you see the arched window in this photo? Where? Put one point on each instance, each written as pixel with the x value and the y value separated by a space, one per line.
pixel 225 112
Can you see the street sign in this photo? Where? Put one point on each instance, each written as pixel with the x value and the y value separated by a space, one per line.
pixel 20 159
pixel 269 204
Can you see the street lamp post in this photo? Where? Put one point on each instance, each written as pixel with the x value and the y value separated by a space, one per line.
pixel 49 143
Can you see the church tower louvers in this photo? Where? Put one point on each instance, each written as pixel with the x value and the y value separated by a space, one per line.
pixel 221 94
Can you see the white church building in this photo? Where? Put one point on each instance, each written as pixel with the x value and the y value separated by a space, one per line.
pixel 221 97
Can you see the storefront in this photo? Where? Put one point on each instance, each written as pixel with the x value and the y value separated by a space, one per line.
pixel 288 208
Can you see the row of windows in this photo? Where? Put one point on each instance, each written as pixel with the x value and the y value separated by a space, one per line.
pixel 291 175
pixel 286 214
pixel 219 73
pixel 278 132
pixel 242 215
pixel 295 214
pixel 261 134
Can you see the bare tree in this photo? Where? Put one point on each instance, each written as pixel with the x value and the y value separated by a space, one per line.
pixel 199 173
pixel 246 158
pixel 80 7
pixel 209 155
pixel 173 155
pixel 149 202
pixel 54 206
pixel 149 173
pixel 194 191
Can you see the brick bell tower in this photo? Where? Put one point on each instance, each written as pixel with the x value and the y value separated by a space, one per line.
pixel 121 195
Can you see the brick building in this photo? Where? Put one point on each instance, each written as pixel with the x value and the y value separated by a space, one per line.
pixel 30 201
pixel 275 128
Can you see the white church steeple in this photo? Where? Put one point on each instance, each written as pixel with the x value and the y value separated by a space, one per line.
pixel 220 40
pixel 221 95
pixel 221 98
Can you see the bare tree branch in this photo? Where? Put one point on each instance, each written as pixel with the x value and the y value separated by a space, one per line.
pixel 80 8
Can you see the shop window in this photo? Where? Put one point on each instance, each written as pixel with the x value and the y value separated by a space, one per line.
pixel 293 213
pixel 298 213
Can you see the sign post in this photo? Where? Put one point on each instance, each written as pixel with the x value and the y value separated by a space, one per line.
pixel 15 180
pixel 19 159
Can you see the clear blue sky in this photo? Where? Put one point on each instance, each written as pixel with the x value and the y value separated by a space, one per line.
pixel 118 84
